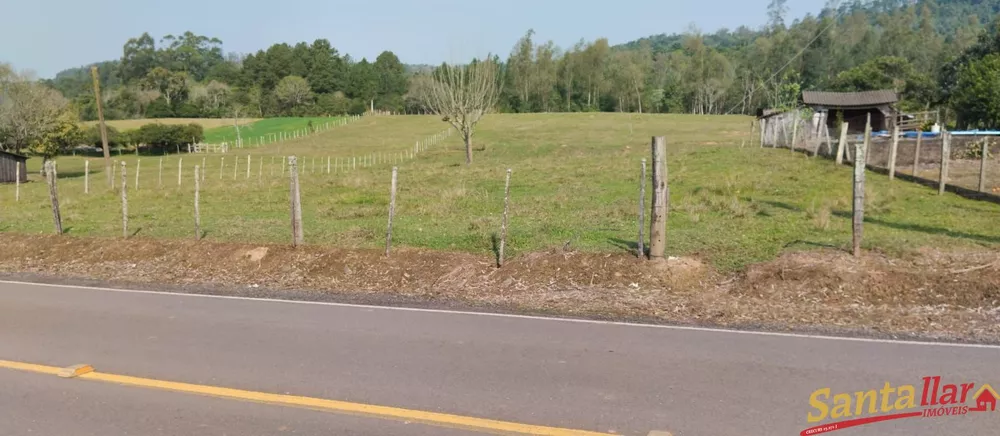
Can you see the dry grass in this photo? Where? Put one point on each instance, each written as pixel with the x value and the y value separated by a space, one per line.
pixel 207 123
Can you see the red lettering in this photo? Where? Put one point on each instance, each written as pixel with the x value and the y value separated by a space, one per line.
pixel 934 390
pixel 950 394
pixel 966 388
pixel 927 388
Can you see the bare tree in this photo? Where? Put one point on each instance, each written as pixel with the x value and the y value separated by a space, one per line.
pixel 462 94
pixel 28 110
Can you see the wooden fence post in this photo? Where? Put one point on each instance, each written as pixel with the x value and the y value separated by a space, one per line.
pixel 114 171
pixel 260 169
pixel 868 138
pixel 197 198
pixel 180 170
pixel 763 131
pixel 892 152
pixel 982 164
pixel 203 166
pixel 86 176
pixel 17 181
pixel 248 166
pixel 50 179
pixel 159 183
pixel 503 224
pixel 795 130
pixel 328 164
pixel 270 168
pixel 124 203
pixel 236 167
pixel 283 165
pixel 916 153
pixel 661 199
pixel 641 251
pixel 137 162
pixel 945 157
pixel 222 167
pixel 842 145
pixel 858 221
pixel 293 169
pixel 392 212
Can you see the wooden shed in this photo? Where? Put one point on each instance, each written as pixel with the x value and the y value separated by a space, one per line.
pixel 9 162
pixel 853 108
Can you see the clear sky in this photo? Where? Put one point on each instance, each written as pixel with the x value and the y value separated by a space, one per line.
pixel 48 36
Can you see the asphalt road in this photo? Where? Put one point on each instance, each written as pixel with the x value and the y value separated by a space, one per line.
pixel 599 377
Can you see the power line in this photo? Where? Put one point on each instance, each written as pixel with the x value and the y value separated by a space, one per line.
pixel 803 50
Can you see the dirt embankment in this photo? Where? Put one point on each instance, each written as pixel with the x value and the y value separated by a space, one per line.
pixel 930 295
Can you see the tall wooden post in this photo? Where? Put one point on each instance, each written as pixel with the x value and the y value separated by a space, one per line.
pixel 661 199
pixel 641 251
pixel 858 222
pixel 795 130
pixel 50 179
pixel 868 138
pixel 137 162
pixel 103 126
pixel 248 167
pixel 763 130
pixel 503 223
pixel 892 152
pixel 180 170
pixel 159 183
pixel 197 199
pixel 392 212
pixel 296 204
pixel 945 157
pixel 86 176
pixel 124 202
pixel 982 164
pixel 916 153
pixel 17 181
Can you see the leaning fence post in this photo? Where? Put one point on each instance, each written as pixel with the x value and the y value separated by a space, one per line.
pixel 503 224
pixel 892 152
pixel 86 176
pixel 50 179
pixel 858 221
pixel 841 146
pixel 137 162
pixel 642 211
pixel 293 169
pixel 916 153
pixel 795 130
pixel 392 212
pixel 945 157
pixel 868 138
pixel 124 203
pixel 197 197
pixel 17 181
pixel 982 164
pixel 661 199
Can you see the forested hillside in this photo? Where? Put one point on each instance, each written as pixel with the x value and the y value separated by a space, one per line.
pixel 936 53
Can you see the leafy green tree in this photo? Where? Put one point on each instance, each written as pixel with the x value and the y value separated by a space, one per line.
pixel 977 94
pixel 392 81
pixel 293 93
pixel 138 58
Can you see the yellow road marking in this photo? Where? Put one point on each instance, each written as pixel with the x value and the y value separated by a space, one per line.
pixel 386 412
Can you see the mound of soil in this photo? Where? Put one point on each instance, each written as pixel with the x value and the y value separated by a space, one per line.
pixel 941 295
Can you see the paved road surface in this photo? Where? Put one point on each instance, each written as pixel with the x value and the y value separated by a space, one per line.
pixel 574 375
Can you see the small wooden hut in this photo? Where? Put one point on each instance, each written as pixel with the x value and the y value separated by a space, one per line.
pixel 9 162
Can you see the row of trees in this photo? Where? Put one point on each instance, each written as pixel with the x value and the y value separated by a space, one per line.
pixel 849 46
pixel 188 76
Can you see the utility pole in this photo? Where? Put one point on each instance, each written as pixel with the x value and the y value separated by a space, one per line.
pixel 104 128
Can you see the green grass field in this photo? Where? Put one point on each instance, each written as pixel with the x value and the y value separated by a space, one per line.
pixel 268 126
pixel 575 179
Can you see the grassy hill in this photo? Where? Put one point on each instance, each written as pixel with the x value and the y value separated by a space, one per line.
pixel 575 182
pixel 263 127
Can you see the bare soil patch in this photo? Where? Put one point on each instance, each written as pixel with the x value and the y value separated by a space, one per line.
pixel 932 294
